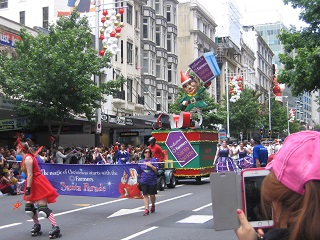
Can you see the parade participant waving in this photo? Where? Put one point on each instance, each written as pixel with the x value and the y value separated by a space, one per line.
pixel 222 161
pixel 148 168
pixel 37 190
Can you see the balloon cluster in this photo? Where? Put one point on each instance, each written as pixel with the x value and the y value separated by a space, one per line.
pixel 111 31
pixel 235 88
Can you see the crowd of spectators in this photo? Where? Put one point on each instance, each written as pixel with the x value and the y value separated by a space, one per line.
pixel 11 178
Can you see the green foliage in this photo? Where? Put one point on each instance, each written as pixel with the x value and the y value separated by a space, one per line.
pixel 209 116
pixel 243 114
pixel 51 79
pixel 302 50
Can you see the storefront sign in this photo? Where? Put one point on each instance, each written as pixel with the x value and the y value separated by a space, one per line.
pixel 9 39
pixel 12 124
pixel 129 134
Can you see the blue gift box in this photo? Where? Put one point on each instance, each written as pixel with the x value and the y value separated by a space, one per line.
pixel 211 60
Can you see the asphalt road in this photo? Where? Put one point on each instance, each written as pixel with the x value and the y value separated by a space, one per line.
pixel 184 212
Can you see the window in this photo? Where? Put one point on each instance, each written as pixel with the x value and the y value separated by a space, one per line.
pixel 45 17
pixel 3 4
pixel 168 13
pixel 145 28
pixel 157 8
pixel 23 17
pixel 129 90
pixel 129 14
pixel 146 62
pixel 152 30
pixel 152 63
pixel 205 28
pixel 136 57
pixel 169 72
pixel 158 94
pixel 158 107
pixel 121 53
pixel 164 37
pixel 158 67
pixel 129 53
pixel 158 36
pixel 136 19
pixel 169 42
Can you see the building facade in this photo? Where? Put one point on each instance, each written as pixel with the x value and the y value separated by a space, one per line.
pixel 160 56
pixel 196 35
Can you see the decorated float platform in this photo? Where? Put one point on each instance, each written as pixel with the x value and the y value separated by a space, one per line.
pixel 190 151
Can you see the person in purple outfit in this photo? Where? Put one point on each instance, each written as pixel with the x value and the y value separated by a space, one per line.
pixel 222 161
pixel 148 168
pixel 122 155
pixel 244 161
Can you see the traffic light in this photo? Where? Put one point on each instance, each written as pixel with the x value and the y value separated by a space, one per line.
pixel 269 133
pixel 261 131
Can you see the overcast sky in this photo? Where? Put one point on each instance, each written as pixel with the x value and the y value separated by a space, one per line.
pixel 261 11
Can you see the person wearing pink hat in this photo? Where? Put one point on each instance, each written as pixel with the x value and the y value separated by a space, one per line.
pixel 293 190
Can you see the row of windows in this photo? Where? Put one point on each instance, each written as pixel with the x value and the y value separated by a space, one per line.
pixel 161 8
pixel 159 67
pixel 45 17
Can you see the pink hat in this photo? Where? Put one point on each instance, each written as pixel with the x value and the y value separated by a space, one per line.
pixel 298 161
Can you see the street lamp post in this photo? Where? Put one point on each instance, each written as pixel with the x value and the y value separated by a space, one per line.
pixel 269 101
pixel 227 93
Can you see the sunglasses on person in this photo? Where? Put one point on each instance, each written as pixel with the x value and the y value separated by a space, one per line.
pixel 146 151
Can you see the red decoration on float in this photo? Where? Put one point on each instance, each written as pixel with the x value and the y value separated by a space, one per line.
pixel 101 52
pixel 101 37
pixel 103 19
pixel 118 29
pixel 121 11
pixel 105 12
pixel 113 34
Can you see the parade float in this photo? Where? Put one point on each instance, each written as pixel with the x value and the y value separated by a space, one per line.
pixel 188 147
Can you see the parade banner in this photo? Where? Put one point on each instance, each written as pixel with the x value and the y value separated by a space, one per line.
pixel 180 148
pixel 117 181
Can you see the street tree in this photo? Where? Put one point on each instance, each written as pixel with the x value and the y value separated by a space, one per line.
pixel 243 114
pixel 301 57
pixel 51 76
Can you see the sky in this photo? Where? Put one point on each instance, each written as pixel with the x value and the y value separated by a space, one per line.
pixel 261 11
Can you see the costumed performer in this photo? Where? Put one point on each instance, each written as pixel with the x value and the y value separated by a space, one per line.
pixel 244 161
pixel 193 97
pixel 37 190
pixel 222 161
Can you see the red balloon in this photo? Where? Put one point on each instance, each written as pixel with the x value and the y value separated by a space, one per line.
pixel 101 37
pixel 103 19
pixel 105 12
pixel 121 11
pixel 113 34
pixel 101 53
pixel 118 29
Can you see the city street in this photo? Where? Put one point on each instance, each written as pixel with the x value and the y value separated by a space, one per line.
pixel 184 212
